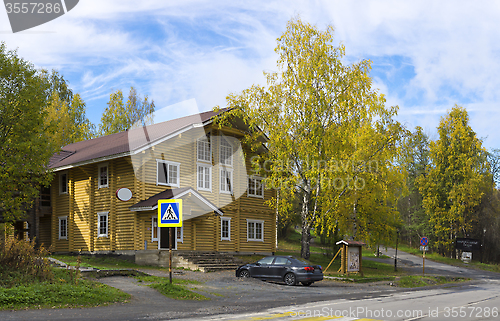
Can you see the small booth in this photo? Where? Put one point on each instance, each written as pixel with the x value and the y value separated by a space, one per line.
pixel 351 257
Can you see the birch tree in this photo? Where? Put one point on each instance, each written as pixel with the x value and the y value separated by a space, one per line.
pixel 324 124
pixel 456 181
pixel 120 116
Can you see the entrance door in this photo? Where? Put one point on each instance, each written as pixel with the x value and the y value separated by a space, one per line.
pixel 164 241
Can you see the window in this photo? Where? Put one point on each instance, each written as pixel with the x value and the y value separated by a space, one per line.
pixel 204 177
pixel 63 183
pixel 154 229
pixel 225 229
pixel 179 234
pixel 63 227
pixel 226 152
pixel 103 176
pixel 266 260
pixel 281 261
pixel 167 173
pixel 226 181
pixel 102 224
pixel 204 149
pixel 255 187
pixel 255 230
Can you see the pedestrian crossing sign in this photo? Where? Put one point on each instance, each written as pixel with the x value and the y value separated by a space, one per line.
pixel 170 213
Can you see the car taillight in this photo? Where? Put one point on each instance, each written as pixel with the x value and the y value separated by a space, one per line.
pixel 309 269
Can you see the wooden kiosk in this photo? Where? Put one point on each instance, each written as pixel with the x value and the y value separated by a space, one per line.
pixel 351 257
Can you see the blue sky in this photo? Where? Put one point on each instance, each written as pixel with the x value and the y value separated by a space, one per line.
pixel 189 55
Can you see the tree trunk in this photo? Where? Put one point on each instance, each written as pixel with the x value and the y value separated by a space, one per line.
pixel 306 228
pixel 305 243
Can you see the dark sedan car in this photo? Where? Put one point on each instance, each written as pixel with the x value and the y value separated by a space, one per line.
pixel 282 268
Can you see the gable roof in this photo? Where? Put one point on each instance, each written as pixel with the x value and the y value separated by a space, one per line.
pixel 151 203
pixel 351 243
pixel 127 142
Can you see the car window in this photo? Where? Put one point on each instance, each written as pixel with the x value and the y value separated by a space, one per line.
pixel 281 261
pixel 266 260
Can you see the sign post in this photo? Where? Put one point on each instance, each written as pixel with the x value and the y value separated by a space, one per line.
pixel 170 216
pixel 424 241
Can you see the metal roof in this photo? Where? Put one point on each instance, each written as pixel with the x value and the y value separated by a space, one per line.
pixel 123 143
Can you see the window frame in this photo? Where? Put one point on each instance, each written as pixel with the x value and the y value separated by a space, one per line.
pixel 63 237
pixel 205 166
pixel 229 145
pixel 168 163
pixel 255 179
pixel 154 227
pixel 228 237
pixel 181 238
pixel 206 139
pixel 229 170
pixel 99 215
pixel 254 238
pixel 99 185
pixel 61 174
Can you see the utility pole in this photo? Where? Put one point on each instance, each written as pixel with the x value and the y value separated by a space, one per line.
pixel 396 256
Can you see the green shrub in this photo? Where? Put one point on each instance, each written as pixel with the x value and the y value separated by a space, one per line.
pixel 21 262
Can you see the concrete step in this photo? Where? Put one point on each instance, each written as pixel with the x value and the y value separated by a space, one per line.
pixel 208 261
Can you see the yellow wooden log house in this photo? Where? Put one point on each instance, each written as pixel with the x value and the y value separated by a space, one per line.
pixel 105 191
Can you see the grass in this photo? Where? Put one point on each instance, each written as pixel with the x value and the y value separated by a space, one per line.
pixel 292 243
pixel 63 292
pixel 176 290
pixel 413 281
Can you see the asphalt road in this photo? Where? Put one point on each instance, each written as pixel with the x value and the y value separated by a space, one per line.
pixel 414 264
pixel 239 299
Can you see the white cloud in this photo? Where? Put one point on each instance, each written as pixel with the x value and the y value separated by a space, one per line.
pixel 429 54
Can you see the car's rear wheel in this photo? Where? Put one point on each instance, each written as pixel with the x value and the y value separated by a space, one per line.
pixel 307 283
pixel 290 279
pixel 244 274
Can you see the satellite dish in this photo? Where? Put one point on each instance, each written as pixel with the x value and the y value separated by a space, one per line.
pixel 124 194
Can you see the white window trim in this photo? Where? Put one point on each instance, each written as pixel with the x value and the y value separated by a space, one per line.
pixel 230 170
pixel 210 144
pixel 254 239
pixel 99 175
pixel 153 227
pixel 181 239
pixel 261 185
pixel 209 174
pixel 60 182
pixel 99 224
pixel 228 238
pixel 178 173
pixel 220 150
pixel 60 219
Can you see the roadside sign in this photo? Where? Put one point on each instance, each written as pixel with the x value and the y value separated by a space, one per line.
pixel 423 242
pixel 170 213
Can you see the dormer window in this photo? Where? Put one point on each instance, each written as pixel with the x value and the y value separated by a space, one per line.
pixel 226 152
pixel 204 149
